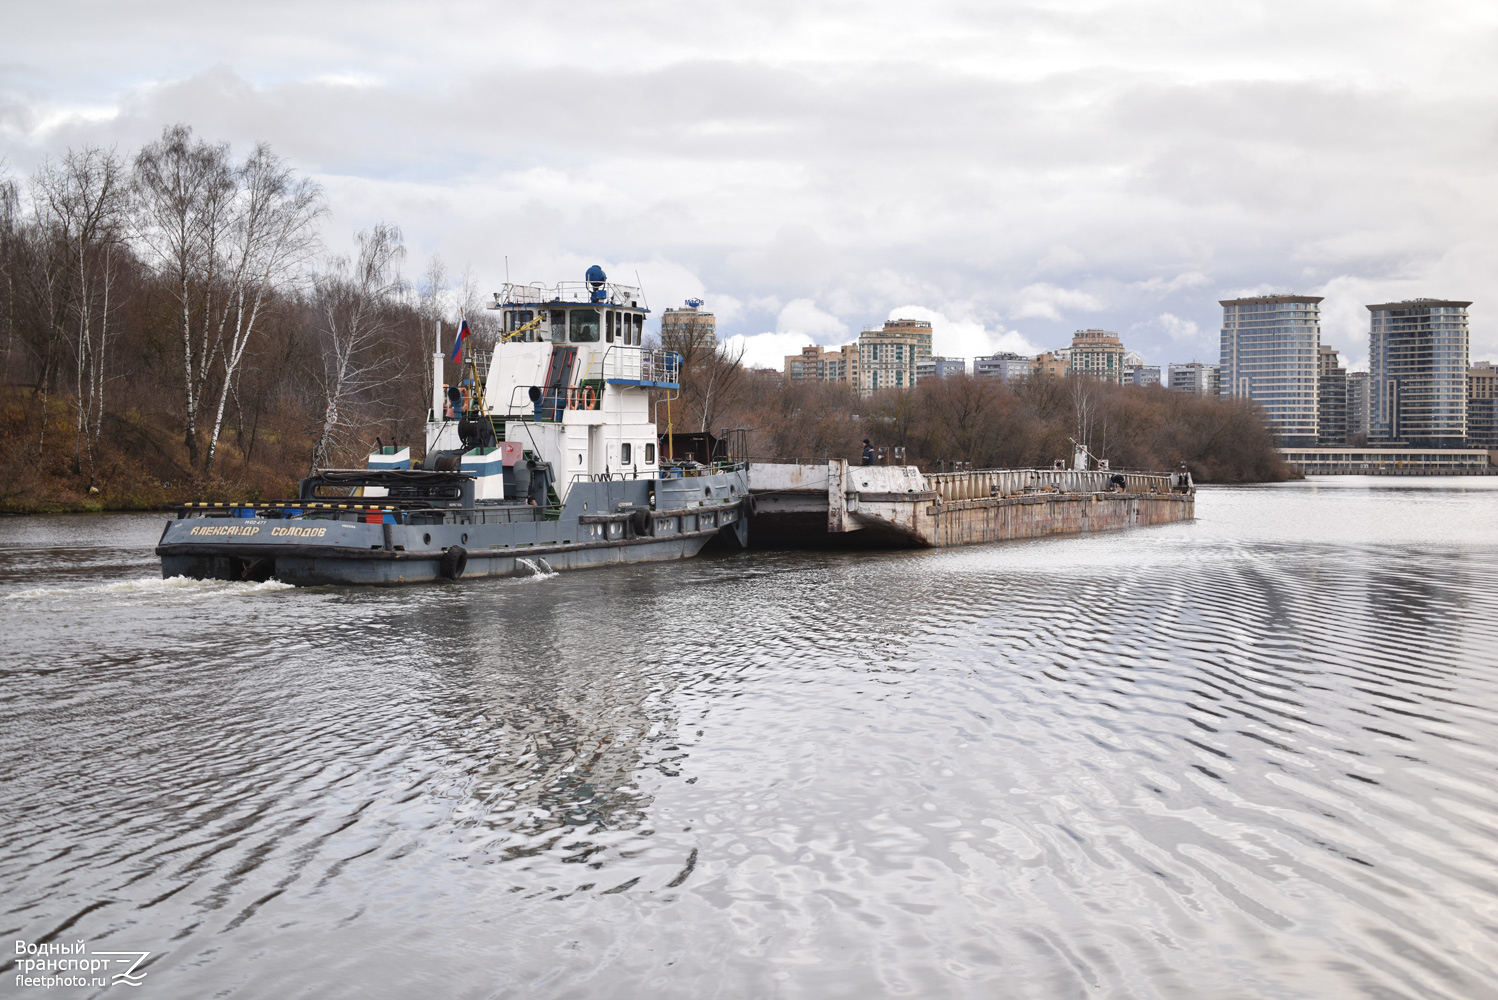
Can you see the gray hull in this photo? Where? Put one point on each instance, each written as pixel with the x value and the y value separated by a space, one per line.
pixel 354 543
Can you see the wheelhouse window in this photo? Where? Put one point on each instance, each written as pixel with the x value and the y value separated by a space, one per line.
pixel 650 454
pixel 519 318
pixel 639 326
pixel 584 326
pixel 625 454
pixel 611 318
pixel 558 326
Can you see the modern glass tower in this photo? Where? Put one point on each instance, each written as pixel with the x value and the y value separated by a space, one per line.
pixel 1331 399
pixel 1417 367
pixel 1270 345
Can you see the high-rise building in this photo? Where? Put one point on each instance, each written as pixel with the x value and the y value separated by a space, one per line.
pixel 1196 378
pixel 689 326
pixel 1005 366
pixel 887 357
pixel 1358 408
pixel 818 364
pixel 1417 367
pixel 1097 354
pixel 917 328
pixel 1269 345
pixel 1482 380
pixel 1482 405
pixel 939 367
pixel 1331 398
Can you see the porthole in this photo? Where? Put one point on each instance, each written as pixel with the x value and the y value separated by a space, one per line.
pixel 465 538
pixel 426 539
pixel 707 491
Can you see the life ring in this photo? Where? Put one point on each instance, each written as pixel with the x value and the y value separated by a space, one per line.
pixel 571 398
pixel 454 562
pixel 588 397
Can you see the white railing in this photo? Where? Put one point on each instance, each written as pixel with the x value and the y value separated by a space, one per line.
pixel 645 364
pixel 608 293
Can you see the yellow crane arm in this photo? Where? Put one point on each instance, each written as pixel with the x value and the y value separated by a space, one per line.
pixel 522 329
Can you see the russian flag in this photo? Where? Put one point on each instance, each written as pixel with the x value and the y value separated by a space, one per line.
pixel 457 352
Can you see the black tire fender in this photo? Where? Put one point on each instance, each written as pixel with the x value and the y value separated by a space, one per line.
pixel 642 522
pixel 454 562
pixel 747 504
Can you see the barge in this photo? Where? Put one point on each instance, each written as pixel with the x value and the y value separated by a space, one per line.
pixel 838 505
pixel 543 456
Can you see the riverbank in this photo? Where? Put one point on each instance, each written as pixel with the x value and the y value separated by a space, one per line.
pixel 139 463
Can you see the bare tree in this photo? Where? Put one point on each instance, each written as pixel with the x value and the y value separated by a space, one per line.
pixel 1084 409
pixel 712 382
pixel 82 201
pixel 43 269
pixel 355 303
pixel 710 373
pixel 185 195
pixel 270 237
pixel 10 201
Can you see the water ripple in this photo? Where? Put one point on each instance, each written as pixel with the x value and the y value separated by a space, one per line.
pixel 1245 757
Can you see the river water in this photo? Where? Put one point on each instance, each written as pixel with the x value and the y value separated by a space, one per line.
pixel 1251 756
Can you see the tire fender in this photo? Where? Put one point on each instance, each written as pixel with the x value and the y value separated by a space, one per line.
pixel 454 562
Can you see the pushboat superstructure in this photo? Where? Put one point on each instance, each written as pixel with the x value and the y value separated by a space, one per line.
pixel 544 455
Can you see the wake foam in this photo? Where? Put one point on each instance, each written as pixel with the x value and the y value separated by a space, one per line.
pixel 151 586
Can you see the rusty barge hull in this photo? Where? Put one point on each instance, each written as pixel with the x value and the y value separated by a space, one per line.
pixel 838 506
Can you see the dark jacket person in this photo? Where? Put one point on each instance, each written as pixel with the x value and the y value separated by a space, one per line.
pixel 868 452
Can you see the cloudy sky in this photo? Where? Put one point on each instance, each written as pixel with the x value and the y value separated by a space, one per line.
pixel 1011 171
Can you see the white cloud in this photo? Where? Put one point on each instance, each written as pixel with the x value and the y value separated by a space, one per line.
pixel 805 320
pixel 1047 301
pixel 1061 258
pixel 964 338
pixel 1169 286
pixel 765 350
pixel 1177 329
pixel 1131 157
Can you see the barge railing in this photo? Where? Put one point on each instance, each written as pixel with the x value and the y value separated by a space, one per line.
pixel 988 483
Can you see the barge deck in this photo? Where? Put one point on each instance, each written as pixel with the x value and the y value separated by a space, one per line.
pixel 838 505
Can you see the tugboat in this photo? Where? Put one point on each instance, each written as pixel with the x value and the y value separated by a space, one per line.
pixel 545 456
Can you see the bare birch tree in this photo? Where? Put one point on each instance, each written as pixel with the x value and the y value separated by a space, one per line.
pixel 270 236
pixel 185 194
pixel 10 201
pixel 82 201
pixel 46 276
pixel 355 303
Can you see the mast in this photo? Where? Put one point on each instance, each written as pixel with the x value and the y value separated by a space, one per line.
pixel 437 377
